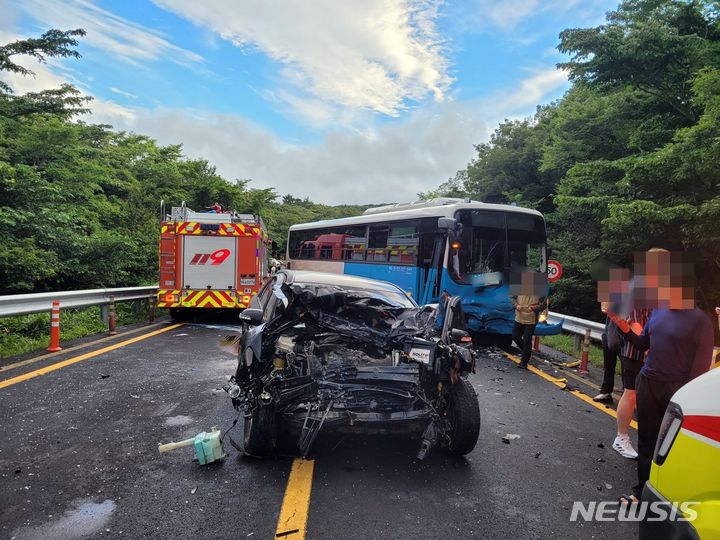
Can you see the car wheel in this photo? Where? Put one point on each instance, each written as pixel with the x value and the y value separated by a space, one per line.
pixel 260 434
pixel 464 415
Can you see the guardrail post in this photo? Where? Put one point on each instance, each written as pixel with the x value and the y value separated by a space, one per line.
pixel 151 308
pixel 536 344
pixel 55 327
pixel 111 317
pixel 585 353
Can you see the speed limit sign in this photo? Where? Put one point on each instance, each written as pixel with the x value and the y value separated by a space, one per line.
pixel 554 271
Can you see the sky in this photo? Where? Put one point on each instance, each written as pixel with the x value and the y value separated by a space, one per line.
pixel 341 101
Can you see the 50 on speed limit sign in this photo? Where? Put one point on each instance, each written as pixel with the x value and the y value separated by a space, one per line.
pixel 554 271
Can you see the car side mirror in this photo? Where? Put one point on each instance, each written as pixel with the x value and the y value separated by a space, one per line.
pixel 252 316
pixel 460 337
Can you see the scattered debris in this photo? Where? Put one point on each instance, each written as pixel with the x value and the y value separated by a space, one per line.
pixel 193 490
pixel 600 460
pixel 208 446
pixel 179 335
pixel 537 454
pixel 134 396
pixel 104 376
pixel 601 445
pixel 509 437
pixel 608 486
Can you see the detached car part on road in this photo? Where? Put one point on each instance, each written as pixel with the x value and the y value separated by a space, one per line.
pixel 336 352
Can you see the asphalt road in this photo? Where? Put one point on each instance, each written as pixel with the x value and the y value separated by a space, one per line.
pixel 79 458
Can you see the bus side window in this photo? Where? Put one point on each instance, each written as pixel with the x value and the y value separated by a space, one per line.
pixel 402 243
pixel 377 243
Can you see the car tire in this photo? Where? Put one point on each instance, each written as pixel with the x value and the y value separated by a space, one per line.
pixel 260 432
pixel 464 414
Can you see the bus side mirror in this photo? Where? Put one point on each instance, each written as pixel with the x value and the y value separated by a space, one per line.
pixel 447 224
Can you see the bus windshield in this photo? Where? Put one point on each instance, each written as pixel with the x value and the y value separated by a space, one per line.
pixel 493 241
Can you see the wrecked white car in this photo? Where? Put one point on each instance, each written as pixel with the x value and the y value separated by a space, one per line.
pixel 335 352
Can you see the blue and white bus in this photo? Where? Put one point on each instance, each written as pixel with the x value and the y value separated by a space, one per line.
pixel 466 248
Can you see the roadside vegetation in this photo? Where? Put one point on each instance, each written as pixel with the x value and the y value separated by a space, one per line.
pixel 565 343
pixel 27 333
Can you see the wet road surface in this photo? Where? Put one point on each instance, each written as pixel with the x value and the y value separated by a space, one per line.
pixel 79 459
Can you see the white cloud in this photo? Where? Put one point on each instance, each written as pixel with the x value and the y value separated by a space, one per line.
pixel 391 162
pixel 124 39
pixel 375 54
pixel 530 91
pixel 508 13
pixel 123 93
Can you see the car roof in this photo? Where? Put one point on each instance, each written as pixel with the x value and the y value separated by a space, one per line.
pixel 341 280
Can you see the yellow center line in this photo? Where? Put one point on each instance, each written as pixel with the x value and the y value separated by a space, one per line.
pixel 292 522
pixel 75 348
pixel 561 383
pixel 74 360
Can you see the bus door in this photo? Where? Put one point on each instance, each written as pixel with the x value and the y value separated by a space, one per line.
pixel 432 246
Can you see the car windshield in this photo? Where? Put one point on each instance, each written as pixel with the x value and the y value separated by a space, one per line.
pixel 390 298
pixel 492 241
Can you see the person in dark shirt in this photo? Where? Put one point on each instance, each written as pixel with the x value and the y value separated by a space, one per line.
pixel 679 341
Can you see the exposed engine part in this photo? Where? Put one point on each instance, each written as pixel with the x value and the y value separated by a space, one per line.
pixel 285 344
pixel 346 359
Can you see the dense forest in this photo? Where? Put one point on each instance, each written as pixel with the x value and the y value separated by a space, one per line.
pixel 628 159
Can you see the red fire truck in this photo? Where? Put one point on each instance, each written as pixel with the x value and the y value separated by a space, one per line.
pixel 209 260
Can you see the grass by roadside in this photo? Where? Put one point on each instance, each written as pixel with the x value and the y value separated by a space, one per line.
pixel 565 344
pixel 32 332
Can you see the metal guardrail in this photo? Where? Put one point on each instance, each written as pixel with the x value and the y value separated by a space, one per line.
pixel 577 326
pixel 23 304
